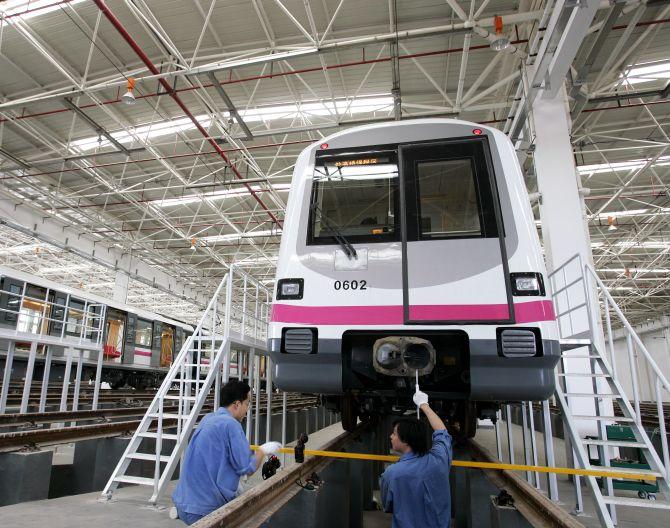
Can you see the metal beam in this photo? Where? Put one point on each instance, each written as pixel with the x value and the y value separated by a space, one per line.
pixel 52 230
pixel 229 103
pixel 95 126
pixel 570 39
pixel 21 164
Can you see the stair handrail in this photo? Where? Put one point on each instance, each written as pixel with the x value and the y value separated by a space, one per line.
pixel 641 347
pixel 165 386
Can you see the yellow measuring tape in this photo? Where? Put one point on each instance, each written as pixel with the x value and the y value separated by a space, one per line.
pixel 484 465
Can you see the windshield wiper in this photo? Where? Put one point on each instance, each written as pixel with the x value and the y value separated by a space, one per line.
pixel 349 250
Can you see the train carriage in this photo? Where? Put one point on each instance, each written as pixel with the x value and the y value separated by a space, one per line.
pixel 410 247
pixel 138 346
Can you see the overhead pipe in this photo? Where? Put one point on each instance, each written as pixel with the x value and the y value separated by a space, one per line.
pixel 168 89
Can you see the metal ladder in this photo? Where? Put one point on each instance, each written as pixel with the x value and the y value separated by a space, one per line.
pixel 604 387
pixel 204 353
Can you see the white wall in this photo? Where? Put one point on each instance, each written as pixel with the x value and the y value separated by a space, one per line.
pixel 656 338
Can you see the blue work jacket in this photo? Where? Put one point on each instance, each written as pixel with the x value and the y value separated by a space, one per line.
pixel 217 456
pixel 416 488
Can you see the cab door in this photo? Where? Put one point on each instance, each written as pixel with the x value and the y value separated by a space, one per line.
pixel 454 260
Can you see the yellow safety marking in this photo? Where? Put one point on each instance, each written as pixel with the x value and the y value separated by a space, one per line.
pixel 484 465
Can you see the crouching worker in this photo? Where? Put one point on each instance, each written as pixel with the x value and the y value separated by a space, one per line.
pixel 217 456
pixel 416 488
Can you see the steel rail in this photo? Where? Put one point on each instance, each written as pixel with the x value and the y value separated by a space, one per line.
pixel 258 504
pixel 20 440
pixel 538 510
pixel 82 415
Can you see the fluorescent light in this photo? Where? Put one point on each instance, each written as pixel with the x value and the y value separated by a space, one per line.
pixel 634 270
pixel 218 195
pixel 255 261
pixel 237 236
pixel 648 244
pixel 648 72
pixel 653 211
pixel 15 250
pixel 370 104
pixel 621 165
pixel 12 7
pixel 62 269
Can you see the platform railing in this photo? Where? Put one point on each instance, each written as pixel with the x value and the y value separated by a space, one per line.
pixel 587 317
pixel 237 315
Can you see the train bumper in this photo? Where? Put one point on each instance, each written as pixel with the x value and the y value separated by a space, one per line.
pixel 493 377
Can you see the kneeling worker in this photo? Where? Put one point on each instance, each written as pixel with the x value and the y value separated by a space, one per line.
pixel 416 488
pixel 217 456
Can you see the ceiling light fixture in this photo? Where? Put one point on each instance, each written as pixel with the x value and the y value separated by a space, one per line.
pixel 611 222
pixel 193 241
pixel 501 42
pixel 129 96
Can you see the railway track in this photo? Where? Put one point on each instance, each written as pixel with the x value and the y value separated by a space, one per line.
pixel 258 505
pixel 104 426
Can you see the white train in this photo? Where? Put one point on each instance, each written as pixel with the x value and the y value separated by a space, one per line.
pixel 138 346
pixel 411 247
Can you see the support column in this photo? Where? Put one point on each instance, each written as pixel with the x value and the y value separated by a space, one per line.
pixel 121 281
pixel 564 230
pixel 565 233
pixel 45 378
pixel 28 383
pixel 7 376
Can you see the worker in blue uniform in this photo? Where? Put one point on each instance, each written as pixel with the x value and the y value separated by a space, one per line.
pixel 416 488
pixel 217 456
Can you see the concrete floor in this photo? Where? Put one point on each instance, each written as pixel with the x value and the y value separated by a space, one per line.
pixel 129 506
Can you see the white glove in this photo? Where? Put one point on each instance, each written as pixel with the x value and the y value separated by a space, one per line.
pixel 420 398
pixel 271 448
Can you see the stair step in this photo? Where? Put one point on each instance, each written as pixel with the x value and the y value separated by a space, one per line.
pixel 187 380
pixel 168 397
pixel 614 443
pixel 601 418
pixel 582 375
pixel 169 416
pixel 590 395
pixel 647 472
pixel 590 356
pixel 201 365
pixel 639 503
pixel 569 344
pixel 143 481
pixel 147 456
pixel 164 436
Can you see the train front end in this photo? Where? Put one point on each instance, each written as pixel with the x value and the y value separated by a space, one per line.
pixel 410 248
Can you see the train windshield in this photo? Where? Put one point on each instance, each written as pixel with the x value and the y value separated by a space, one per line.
pixel 355 198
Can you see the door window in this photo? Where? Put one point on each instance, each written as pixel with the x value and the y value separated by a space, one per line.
pixel 448 205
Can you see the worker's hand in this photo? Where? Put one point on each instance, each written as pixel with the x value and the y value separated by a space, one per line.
pixel 420 398
pixel 270 448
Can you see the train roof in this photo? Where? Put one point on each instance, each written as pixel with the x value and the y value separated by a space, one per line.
pixel 6 271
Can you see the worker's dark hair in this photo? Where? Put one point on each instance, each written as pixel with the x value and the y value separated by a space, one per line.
pixel 414 433
pixel 233 391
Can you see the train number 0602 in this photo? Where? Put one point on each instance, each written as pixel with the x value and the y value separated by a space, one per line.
pixel 351 285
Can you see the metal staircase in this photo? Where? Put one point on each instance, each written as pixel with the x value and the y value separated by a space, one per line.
pixel 234 315
pixel 588 384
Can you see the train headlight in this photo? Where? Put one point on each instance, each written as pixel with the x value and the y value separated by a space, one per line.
pixel 290 289
pixel 527 284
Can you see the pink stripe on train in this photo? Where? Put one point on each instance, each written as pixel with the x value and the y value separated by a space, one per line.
pixel 526 312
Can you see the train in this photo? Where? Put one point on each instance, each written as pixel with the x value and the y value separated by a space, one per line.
pixel 409 252
pixel 138 346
